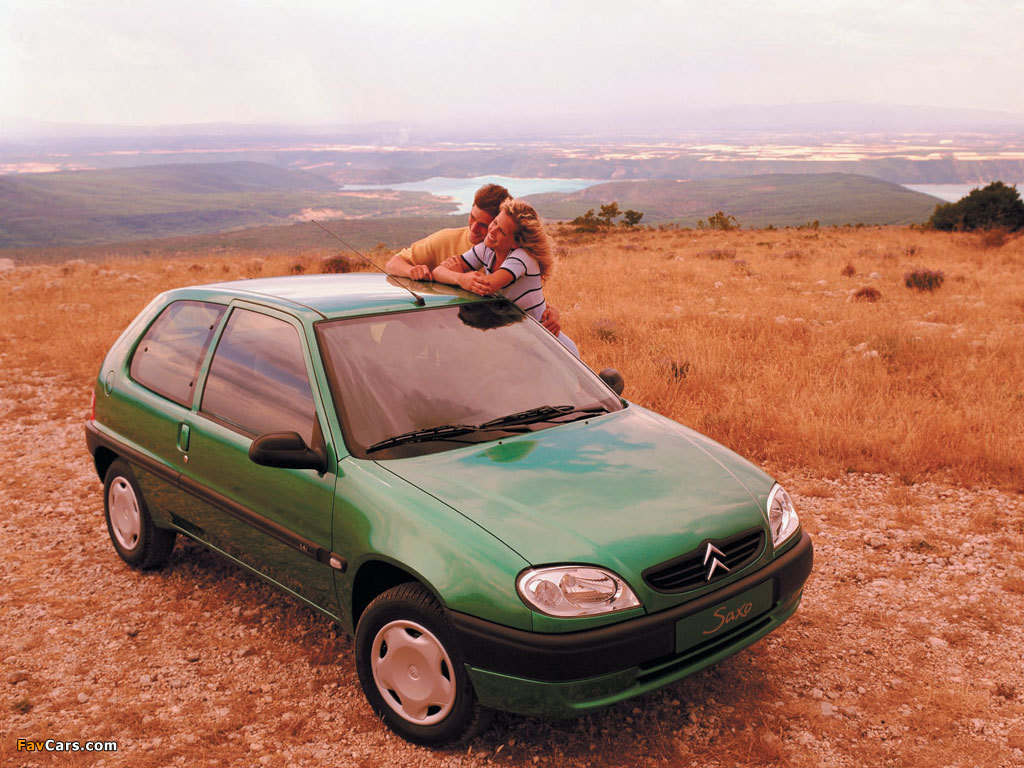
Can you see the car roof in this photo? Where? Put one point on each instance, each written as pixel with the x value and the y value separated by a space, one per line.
pixel 333 295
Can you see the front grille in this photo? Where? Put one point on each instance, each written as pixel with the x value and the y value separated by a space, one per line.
pixel 689 571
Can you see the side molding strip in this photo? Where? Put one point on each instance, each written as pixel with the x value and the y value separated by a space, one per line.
pixel 289 538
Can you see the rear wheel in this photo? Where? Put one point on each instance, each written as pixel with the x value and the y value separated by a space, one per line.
pixel 132 532
pixel 412 671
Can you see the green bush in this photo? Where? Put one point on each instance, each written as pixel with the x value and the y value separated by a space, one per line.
pixel 589 222
pixel 997 206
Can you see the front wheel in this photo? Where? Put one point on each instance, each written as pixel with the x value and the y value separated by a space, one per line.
pixel 132 532
pixel 412 671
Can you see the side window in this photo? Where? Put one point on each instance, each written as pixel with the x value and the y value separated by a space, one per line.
pixel 168 358
pixel 257 381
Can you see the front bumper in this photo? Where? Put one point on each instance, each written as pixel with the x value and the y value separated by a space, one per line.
pixel 560 675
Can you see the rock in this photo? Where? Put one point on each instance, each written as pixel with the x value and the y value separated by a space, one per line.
pixel 937 642
pixel 6 265
pixel 17 676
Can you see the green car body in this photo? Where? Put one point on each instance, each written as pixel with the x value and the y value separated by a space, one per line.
pixel 460 518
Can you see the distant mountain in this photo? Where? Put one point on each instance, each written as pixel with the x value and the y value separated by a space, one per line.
pixel 81 207
pixel 813 117
pixel 756 201
pixel 821 117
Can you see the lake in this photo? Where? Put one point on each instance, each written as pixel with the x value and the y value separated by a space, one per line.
pixel 462 190
pixel 948 192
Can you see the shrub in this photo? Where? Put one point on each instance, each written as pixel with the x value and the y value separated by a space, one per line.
pixel 924 279
pixel 719 220
pixel 631 218
pixel 606 330
pixel 993 238
pixel 718 253
pixel 849 271
pixel 337 264
pixel 867 293
pixel 678 371
pixel 589 222
pixel 997 206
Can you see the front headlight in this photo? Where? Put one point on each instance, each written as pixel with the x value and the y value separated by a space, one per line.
pixel 574 590
pixel 781 515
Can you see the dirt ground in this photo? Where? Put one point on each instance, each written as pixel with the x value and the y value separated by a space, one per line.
pixel 907 649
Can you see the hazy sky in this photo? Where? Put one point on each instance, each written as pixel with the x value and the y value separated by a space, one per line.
pixel 141 62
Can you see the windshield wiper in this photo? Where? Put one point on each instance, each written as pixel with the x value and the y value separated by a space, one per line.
pixel 441 432
pixel 512 423
pixel 542 413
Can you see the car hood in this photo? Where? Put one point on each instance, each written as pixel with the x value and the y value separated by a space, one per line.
pixel 625 490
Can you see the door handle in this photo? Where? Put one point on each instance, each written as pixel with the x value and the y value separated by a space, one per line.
pixel 183 435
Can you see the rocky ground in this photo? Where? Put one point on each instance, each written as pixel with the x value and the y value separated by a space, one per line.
pixel 908 649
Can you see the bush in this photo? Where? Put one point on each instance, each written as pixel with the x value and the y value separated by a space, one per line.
pixel 589 222
pixel 867 293
pixel 719 221
pixel 718 253
pixel 924 279
pixel 849 271
pixel 338 264
pixel 997 206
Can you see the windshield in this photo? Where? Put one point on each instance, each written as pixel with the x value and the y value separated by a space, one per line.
pixel 396 374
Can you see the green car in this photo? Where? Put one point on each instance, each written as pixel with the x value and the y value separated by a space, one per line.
pixel 494 524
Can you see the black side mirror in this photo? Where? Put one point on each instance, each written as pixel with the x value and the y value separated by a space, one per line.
pixel 613 379
pixel 285 450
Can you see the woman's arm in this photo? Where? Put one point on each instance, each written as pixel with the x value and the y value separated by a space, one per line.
pixel 453 272
pixel 485 284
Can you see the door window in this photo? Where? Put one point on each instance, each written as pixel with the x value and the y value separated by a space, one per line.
pixel 257 381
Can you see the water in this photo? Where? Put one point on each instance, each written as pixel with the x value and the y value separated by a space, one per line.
pixel 950 192
pixel 462 190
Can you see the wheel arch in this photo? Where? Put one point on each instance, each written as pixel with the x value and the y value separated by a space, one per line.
pixel 375 577
pixel 102 460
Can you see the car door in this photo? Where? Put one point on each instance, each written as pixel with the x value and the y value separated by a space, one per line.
pixel 147 408
pixel 277 521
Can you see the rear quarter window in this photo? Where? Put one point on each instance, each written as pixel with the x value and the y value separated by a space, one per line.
pixel 168 358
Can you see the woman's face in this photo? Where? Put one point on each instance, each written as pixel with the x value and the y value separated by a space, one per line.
pixel 501 234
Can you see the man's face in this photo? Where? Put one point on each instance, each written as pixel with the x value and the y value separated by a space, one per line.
pixel 478 222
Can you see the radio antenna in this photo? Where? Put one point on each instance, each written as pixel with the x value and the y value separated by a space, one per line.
pixel 419 299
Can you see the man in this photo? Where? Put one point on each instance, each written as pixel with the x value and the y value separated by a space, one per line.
pixel 420 259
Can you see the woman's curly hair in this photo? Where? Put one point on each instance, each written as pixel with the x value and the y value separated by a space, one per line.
pixel 530 235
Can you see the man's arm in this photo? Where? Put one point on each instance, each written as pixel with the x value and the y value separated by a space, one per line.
pixel 401 265
pixel 550 319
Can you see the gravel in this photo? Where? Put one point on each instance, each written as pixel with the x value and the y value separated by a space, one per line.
pixel 908 649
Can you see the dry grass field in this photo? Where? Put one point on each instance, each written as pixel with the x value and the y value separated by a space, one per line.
pixel 894 416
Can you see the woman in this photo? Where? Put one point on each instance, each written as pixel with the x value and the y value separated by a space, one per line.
pixel 514 259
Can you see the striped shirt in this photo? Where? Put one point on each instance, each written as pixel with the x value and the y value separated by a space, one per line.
pixel 526 289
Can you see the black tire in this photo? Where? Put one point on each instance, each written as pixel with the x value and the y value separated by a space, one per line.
pixel 137 540
pixel 430 658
